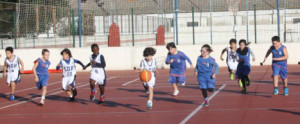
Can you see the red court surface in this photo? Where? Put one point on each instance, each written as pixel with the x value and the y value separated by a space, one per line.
pixel 126 100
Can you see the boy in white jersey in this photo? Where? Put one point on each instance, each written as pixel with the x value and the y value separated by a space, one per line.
pixel 12 66
pixel 231 58
pixel 149 63
pixel 98 75
pixel 69 73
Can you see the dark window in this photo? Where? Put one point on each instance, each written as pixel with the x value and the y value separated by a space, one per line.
pixel 296 20
pixel 190 24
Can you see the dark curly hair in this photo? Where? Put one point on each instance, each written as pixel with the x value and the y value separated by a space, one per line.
pixel 44 51
pixel 149 51
pixel 67 51
pixel 171 45
pixel 232 41
pixel 208 48
pixel 93 46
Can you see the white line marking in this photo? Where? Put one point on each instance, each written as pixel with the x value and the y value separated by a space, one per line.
pixel 201 106
pixel 47 95
pixel 130 82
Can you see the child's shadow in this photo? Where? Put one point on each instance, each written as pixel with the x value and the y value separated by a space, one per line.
pixel 168 99
pixel 250 93
pixel 115 104
pixel 63 98
pixel 20 98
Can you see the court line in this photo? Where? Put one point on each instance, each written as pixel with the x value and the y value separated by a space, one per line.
pixel 47 95
pixel 129 82
pixel 201 106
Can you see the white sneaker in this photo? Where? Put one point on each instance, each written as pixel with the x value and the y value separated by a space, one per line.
pixel 149 104
pixel 183 84
pixel 42 102
pixel 176 92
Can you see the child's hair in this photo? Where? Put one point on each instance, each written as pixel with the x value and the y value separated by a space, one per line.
pixel 67 51
pixel 208 48
pixel 10 49
pixel 275 38
pixel 243 41
pixel 232 41
pixel 149 51
pixel 93 46
pixel 171 45
pixel 44 51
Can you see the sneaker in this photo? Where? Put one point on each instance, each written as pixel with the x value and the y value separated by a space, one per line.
pixel 12 97
pixel 248 82
pixel 74 91
pixel 72 99
pixel 231 76
pixel 101 99
pixel 149 104
pixel 176 92
pixel 205 103
pixel 286 91
pixel 240 83
pixel 244 91
pixel 42 102
pixel 93 95
pixel 183 84
pixel 276 92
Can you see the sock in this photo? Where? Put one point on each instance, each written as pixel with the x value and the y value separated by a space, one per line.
pixel 43 97
pixel 204 93
pixel 275 87
pixel 206 99
pixel 71 96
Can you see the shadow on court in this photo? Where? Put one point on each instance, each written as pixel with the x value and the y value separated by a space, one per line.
pixel 286 111
pixel 116 104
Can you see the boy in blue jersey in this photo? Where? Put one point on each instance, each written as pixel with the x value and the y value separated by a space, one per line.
pixel 40 71
pixel 98 74
pixel 206 70
pixel 244 67
pixel 279 64
pixel 176 59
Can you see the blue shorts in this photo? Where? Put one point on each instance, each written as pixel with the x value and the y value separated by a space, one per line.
pixel 206 81
pixel 176 79
pixel 279 70
pixel 43 81
pixel 243 70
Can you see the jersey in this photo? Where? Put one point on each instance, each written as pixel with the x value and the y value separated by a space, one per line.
pixel 245 55
pixel 178 66
pixel 13 66
pixel 69 69
pixel 208 65
pixel 231 56
pixel 42 68
pixel 277 54
pixel 150 66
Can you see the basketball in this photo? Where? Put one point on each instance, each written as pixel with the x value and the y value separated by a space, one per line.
pixel 145 76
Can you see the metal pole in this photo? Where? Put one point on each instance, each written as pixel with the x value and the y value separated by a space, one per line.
pixel 247 9
pixel 255 33
pixel 176 19
pixel 79 21
pixel 211 32
pixel 278 17
pixel 15 30
pixel 285 20
pixel 193 16
pixel 73 28
pixel 132 26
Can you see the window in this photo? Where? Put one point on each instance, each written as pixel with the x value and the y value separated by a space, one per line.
pixel 190 24
pixel 296 20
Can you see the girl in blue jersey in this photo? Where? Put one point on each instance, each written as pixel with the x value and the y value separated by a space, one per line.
pixel 40 71
pixel 206 70
pixel 279 64
pixel 176 59
pixel 244 67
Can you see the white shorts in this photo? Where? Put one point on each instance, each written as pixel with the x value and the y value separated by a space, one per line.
pixel 232 65
pixel 98 75
pixel 151 83
pixel 13 77
pixel 68 81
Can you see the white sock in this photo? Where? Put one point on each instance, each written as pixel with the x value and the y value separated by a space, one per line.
pixel 71 96
pixel 43 97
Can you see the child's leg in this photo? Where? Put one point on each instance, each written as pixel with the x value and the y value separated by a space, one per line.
pixel 204 93
pixel 275 81
pixel 145 86
pixel 175 87
pixel 13 87
pixel 69 92
pixel 102 89
pixel 44 92
pixel 150 90
pixel 285 82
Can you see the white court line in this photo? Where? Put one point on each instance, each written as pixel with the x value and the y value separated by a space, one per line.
pixel 201 106
pixel 130 82
pixel 47 95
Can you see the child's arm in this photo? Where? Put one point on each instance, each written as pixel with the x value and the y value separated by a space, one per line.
pixel 34 71
pixel 188 59
pixel 169 60
pixel 224 50
pixel 79 62
pixel 285 57
pixel 58 65
pixel 267 55
pixel 4 69
pixel 216 69
pixel 252 54
pixel 22 64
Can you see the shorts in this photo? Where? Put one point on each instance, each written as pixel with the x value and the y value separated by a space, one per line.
pixel 98 75
pixel 232 66
pixel 243 70
pixel 206 81
pixel 68 81
pixel 13 77
pixel 279 70
pixel 151 83
pixel 176 79
pixel 43 81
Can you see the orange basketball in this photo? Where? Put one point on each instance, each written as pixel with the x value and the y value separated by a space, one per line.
pixel 145 76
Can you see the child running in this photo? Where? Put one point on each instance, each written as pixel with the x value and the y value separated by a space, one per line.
pixel 12 66
pixel 40 71
pixel 176 59
pixel 69 73
pixel 206 71
pixel 231 58
pixel 98 75
pixel 279 64
pixel 149 63
pixel 244 67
